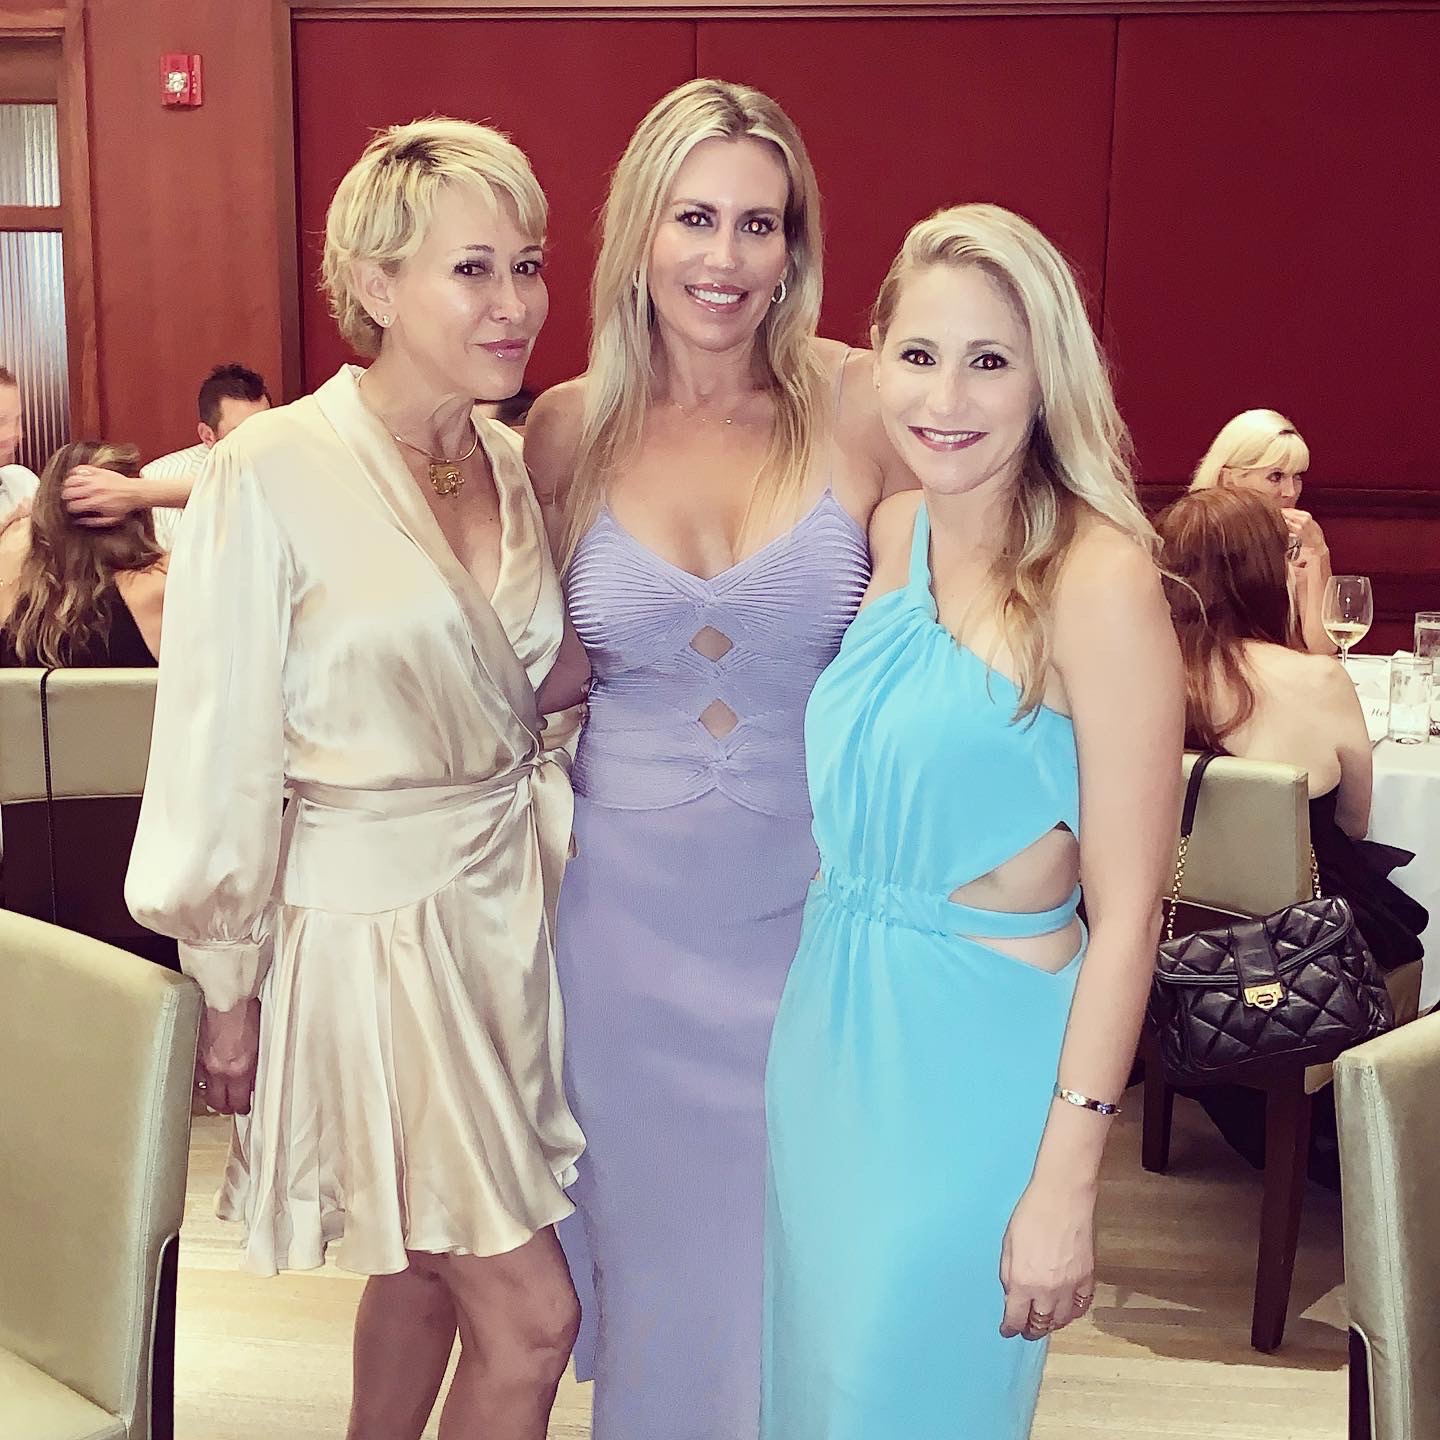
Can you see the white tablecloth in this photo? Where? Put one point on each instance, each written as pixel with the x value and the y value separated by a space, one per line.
pixel 1406 812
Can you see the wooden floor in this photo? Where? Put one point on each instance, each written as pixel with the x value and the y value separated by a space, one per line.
pixel 1165 1351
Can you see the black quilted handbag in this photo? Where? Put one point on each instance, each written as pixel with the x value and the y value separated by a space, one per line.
pixel 1299 985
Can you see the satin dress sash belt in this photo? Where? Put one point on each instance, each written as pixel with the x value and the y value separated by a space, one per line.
pixel 363 852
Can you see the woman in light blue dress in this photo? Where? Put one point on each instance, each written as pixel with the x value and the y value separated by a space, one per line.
pixel 1003 722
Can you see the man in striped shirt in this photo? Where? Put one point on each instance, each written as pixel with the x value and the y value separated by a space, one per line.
pixel 230 395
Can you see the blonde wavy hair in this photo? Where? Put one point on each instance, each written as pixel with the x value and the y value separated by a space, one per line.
pixel 71 569
pixel 1078 456
pixel 384 205
pixel 1253 440
pixel 620 371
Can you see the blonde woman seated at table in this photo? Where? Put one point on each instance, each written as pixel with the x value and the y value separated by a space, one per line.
pixel 1261 451
pixel 72 596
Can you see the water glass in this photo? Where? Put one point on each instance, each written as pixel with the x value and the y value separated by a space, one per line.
pixel 1427 647
pixel 1410 677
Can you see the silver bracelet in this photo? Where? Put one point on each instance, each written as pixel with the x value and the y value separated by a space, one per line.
pixel 1084 1102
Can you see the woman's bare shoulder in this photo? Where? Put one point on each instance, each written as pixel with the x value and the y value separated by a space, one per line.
pixel 558 409
pixel 1103 558
pixel 552 438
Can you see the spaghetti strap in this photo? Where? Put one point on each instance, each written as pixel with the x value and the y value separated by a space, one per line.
pixel 920 551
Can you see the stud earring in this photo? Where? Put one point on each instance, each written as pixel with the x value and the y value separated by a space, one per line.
pixel 383 321
pixel 780 293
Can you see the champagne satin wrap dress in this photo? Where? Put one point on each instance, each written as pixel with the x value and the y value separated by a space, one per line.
pixel 323 643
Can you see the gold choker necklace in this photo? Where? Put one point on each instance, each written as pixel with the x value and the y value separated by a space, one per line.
pixel 446 476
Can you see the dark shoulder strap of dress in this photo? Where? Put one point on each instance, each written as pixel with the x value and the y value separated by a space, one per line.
pixel 126 645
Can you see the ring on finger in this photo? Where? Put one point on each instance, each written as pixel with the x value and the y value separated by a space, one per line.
pixel 1040 1320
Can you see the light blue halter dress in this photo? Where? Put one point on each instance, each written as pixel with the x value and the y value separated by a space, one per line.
pixel 912 1065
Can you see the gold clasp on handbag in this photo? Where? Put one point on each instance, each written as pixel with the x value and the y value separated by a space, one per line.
pixel 1264 997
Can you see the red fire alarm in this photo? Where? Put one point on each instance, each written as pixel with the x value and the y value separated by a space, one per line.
pixel 180 80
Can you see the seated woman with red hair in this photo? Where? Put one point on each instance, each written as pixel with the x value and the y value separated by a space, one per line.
pixel 1253 691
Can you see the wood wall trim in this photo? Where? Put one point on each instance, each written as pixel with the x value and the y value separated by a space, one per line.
pixel 817 9
pixel 30 217
pixel 1334 502
pixel 77 204
pixel 74 214
pixel 286 221
pixel 39 23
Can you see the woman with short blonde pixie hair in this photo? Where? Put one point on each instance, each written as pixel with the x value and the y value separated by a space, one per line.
pixel 1261 451
pixel 383 207
pixel 710 478
pixel 363 607
pixel 1003 723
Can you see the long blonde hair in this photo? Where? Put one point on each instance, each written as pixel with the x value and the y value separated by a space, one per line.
pixel 1078 455
pixel 1253 440
pixel 620 370
pixel 71 569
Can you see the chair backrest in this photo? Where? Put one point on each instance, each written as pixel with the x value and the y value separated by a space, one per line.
pixel 1386 1094
pixel 99 749
pixel 1250 848
pixel 97 1054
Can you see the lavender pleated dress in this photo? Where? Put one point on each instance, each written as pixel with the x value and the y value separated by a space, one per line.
pixel 679 917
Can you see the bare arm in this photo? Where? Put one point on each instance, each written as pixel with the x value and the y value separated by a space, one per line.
pixel 861 432
pixel 99 498
pixel 552 434
pixel 1116 652
pixel 1339 702
pixel 1309 572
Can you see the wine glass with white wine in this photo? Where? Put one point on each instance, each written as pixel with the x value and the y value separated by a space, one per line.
pixel 1347 611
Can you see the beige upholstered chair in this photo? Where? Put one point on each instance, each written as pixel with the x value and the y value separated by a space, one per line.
pixel 97 1056
pixel 1250 855
pixel 1386 1094
pixel 99 749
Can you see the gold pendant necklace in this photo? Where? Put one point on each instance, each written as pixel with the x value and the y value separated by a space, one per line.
pixel 446 476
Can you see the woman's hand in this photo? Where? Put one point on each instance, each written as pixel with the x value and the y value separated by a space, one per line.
pixel 1305 533
pixel 1047 1263
pixel 225 1065
pixel 99 498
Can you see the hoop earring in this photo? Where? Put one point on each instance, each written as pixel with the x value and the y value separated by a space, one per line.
pixel 780 293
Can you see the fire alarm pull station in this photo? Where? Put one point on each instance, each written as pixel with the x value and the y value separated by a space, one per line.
pixel 180 80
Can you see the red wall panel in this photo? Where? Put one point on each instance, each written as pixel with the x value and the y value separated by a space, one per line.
pixel 568 92
pixel 1272 237
pixel 183 209
pixel 904 116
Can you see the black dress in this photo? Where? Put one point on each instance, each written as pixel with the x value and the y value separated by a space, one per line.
pixel 121 645
pixel 1359 871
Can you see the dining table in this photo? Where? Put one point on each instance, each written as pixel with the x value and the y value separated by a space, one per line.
pixel 1405 811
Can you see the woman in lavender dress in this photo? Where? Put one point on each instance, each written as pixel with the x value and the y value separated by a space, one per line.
pixel 711 477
